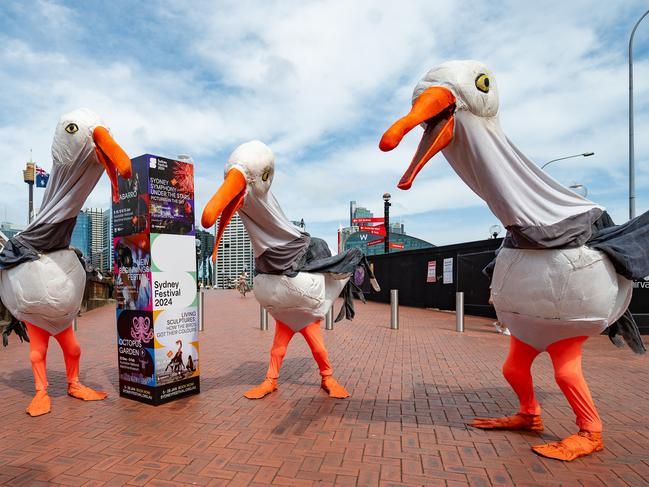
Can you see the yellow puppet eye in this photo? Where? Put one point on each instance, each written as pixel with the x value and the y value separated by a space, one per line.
pixel 482 83
pixel 265 176
pixel 71 128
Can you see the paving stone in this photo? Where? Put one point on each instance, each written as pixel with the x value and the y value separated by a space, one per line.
pixel 413 390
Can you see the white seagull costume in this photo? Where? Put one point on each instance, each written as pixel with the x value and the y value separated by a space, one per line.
pixel 547 285
pixel 42 279
pixel 564 271
pixel 297 280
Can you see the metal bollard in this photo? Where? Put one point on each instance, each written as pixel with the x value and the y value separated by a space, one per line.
pixel 201 310
pixel 394 309
pixel 263 318
pixel 459 312
pixel 329 319
pixel 75 326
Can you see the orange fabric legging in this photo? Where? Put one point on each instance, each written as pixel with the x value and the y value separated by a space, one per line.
pixel 566 359
pixel 313 336
pixel 38 342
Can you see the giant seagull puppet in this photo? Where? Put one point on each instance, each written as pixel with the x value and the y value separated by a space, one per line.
pixel 42 280
pixel 564 271
pixel 297 278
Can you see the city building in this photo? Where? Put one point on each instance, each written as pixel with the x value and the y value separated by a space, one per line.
pixel 235 254
pixel 81 234
pixel 97 258
pixel 107 249
pixel 353 236
pixel 92 235
pixel 205 269
pixel 8 229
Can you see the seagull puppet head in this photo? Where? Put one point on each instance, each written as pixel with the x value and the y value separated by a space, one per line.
pixel 249 174
pixel 443 92
pixel 82 138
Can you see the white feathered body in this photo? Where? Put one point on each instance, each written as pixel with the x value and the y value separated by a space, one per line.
pixel 298 301
pixel 46 292
pixel 544 296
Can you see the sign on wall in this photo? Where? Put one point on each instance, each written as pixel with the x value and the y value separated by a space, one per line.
pixel 431 275
pixel 448 271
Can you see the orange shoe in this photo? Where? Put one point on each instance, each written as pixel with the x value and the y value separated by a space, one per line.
pixel 575 446
pixel 86 393
pixel 331 386
pixel 517 422
pixel 41 404
pixel 263 389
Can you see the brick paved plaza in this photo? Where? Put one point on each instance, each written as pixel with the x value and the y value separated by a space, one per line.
pixel 412 392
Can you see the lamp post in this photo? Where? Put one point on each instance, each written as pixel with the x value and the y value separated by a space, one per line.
pixel 386 221
pixel 583 154
pixel 631 148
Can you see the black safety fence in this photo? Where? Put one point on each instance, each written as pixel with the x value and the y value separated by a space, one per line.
pixel 429 278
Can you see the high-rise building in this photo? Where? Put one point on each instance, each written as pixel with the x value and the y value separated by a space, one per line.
pixel 107 249
pixel 91 235
pixel 356 211
pixel 97 239
pixel 81 234
pixel 205 268
pixel 235 254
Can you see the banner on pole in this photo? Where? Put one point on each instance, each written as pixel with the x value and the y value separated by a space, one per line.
pixel 376 230
pixel 367 220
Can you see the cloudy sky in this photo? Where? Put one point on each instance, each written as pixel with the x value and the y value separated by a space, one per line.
pixel 319 81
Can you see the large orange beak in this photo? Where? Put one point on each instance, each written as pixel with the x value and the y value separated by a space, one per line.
pixel 227 200
pixel 113 157
pixel 435 106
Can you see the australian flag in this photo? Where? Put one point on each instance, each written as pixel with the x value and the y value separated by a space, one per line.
pixel 41 177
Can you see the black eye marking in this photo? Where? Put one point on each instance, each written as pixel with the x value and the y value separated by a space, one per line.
pixel 265 176
pixel 72 128
pixel 482 83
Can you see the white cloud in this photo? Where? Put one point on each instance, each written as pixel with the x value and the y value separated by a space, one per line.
pixel 319 82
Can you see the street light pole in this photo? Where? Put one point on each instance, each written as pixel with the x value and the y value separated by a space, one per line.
pixel 386 221
pixel 583 154
pixel 631 148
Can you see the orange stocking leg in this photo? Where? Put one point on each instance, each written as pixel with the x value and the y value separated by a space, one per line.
pixel 283 335
pixel 71 355
pixel 38 341
pixel 313 336
pixel 566 359
pixel 517 371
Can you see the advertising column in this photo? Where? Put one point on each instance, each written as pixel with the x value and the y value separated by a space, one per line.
pixel 155 273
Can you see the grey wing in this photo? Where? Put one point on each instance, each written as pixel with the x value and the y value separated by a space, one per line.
pixel 625 328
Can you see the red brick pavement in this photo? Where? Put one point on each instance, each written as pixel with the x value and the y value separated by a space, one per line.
pixel 412 392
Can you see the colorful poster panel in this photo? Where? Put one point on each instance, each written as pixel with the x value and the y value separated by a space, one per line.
pixel 136 353
pixel 131 213
pixel 171 189
pixel 132 266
